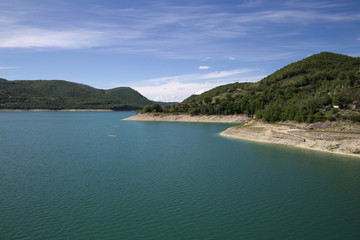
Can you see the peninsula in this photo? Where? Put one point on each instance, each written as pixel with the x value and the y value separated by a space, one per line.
pixel 339 137
pixel 313 103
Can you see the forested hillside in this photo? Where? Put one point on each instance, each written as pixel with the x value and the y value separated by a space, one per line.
pixel 56 94
pixel 323 86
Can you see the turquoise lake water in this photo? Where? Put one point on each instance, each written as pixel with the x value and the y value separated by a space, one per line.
pixel 90 175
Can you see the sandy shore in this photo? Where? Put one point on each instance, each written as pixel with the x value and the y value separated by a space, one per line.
pixel 62 110
pixel 86 110
pixel 188 118
pixel 333 137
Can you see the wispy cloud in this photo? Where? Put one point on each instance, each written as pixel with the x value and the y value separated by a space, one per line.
pixel 296 16
pixel 251 4
pixel 225 74
pixel 7 67
pixel 215 75
pixel 314 5
pixel 23 37
pixel 268 56
pixel 166 30
pixel 252 32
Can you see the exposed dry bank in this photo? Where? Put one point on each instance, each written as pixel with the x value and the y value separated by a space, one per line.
pixel 334 137
pixel 188 118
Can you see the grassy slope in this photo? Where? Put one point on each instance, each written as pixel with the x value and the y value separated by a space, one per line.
pixel 322 67
pixel 304 88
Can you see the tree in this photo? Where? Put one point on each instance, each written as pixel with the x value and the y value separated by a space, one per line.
pixel 147 109
pixel 156 108
pixel 271 113
pixel 207 100
pixel 339 99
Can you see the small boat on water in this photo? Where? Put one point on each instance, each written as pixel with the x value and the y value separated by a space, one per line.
pixel 111 135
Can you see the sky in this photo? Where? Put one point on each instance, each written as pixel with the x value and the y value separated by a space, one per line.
pixel 168 50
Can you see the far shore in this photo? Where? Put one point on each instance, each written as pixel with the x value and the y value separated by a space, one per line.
pixel 60 110
pixel 337 137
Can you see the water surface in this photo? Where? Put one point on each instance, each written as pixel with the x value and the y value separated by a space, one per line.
pixel 90 175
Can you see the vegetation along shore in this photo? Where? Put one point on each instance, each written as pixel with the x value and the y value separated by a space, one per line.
pixel 313 103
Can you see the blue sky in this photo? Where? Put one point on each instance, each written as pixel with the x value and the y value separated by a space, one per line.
pixel 168 50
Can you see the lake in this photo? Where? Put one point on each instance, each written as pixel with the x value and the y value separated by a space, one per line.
pixel 91 175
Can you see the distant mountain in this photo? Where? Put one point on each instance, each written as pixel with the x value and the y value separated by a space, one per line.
pixel 322 86
pixel 58 94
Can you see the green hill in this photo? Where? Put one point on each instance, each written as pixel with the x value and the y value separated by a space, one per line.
pixel 322 86
pixel 189 99
pixel 57 94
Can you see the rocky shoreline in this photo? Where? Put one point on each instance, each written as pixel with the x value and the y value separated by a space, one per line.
pixel 333 137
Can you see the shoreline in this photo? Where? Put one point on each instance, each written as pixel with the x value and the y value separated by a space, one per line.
pixel 60 110
pixel 330 137
pixel 338 138
pixel 164 117
pixel 342 138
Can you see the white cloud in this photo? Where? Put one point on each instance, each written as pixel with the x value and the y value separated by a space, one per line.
pixel 177 88
pixel 204 67
pixel 174 91
pixel 232 58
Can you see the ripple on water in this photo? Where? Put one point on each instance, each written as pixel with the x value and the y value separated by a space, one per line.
pixel 63 178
